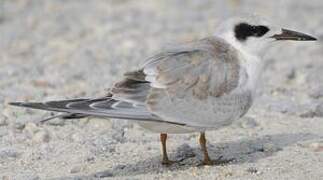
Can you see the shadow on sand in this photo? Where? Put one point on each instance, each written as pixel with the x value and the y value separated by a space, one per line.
pixel 242 151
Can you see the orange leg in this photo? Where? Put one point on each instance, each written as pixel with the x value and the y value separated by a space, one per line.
pixel 207 160
pixel 165 160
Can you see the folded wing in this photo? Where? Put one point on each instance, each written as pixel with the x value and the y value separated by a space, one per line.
pixel 190 82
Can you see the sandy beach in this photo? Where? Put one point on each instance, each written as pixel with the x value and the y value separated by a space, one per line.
pixel 52 50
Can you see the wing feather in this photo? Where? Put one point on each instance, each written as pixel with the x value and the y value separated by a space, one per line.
pixel 101 107
pixel 196 76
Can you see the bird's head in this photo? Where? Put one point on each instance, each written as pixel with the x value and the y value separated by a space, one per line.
pixel 253 34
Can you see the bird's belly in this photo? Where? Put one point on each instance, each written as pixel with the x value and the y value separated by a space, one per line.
pixel 167 128
pixel 214 113
pixel 228 108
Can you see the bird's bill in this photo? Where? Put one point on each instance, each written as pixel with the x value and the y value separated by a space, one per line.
pixel 293 35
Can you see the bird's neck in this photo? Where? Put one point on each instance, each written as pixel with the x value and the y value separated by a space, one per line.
pixel 251 62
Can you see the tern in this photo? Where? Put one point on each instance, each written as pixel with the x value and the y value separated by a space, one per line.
pixel 195 86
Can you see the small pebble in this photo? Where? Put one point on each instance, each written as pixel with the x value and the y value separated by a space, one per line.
pixel 56 122
pixel 7 112
pixel 30 129
pixel 3 121
pixel 119 136
pixel 75 137
pixel 291 74
pixel 319 110
pixel 316 92
pixel 103 174
pixel 248 122
pixel 8 153
pixel 120 167
pixel 252 170
pixel 76 169
pixel 228 174
pixel 269 147
pixel 41 83
pixel 41 136
pixel 90 159
pixel 308 114
pixel 316 112
pixel 19 125
pixel 316 147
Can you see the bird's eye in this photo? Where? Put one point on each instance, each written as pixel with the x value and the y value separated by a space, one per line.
pixel 243 31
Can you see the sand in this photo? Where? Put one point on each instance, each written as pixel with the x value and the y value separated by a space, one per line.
pixel 66 49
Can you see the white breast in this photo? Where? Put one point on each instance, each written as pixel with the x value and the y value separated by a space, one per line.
pixel 249 77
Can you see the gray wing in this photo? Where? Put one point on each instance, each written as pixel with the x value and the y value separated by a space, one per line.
pixel 190 83
pixel 183 84
pixel 207 67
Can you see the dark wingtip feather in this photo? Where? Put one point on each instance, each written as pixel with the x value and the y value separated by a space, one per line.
pixel 16 103
pixel 34 105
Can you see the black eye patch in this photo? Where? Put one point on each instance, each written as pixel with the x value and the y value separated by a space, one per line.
pixel 243 31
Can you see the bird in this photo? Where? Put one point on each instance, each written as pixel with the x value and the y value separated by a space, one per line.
pixel 196 86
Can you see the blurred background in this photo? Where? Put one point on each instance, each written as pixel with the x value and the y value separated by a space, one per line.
pixel 55 49
pixel 78 47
